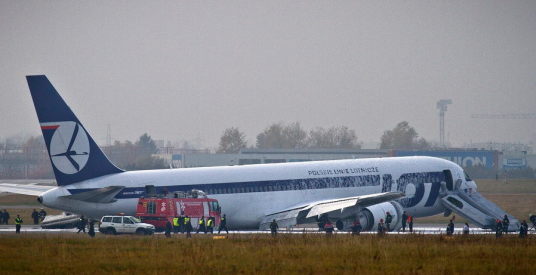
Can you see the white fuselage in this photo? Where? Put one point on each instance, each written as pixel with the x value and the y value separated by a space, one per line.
pixel 297 184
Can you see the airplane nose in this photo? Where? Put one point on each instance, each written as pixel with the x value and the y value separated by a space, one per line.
pixel 40 200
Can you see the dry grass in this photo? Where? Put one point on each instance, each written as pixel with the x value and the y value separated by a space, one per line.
pixel 261 254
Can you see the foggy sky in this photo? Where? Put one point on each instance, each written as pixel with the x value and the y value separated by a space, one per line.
pixel 188 69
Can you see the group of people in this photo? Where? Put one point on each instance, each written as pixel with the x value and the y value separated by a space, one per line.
pixel 184 224
pixel 82 224
pixel 38 216
pixel 4 217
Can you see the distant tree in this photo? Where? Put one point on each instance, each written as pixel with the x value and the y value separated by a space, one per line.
pixel 146 145
pixel 403 136
pixel 334 138
pixel 280 136
pixel 231 141
pixel 295 137
pixel 146 163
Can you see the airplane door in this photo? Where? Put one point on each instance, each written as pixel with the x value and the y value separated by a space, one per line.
pixel 449 180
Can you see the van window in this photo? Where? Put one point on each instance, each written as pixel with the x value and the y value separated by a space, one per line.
pixel 127 220
pixel 117 219
pixel 107 219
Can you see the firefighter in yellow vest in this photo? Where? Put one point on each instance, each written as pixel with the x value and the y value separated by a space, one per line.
pixel 210 225
pixel 18 222
pixel 202 225
pixel 176 225
pixel 185 224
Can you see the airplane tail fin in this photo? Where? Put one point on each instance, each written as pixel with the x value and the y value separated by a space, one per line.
pixel 74 154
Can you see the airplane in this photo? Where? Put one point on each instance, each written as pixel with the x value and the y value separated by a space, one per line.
pixel 252 196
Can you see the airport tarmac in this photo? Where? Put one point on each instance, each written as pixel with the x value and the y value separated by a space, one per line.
pixel 433 229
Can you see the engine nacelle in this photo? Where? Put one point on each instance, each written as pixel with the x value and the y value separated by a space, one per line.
pixel 369 217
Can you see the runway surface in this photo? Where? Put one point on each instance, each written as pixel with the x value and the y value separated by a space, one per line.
pixel 426 229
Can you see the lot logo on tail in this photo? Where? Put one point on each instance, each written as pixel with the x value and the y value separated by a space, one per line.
pixel 69 146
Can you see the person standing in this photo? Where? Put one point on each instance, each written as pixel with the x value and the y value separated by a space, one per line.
pixel 388 220
pixel 181 224
pixel 498 229
pixel 329 228
pixel 210 225
pixel 185 222
pixel 505 224
pixel 523 228
pixel 188 227
pixel 466 229
pixel 201 225
pixel 381 228
pixel 223 224
pixel 450 228
pixel 356 228
pixel 167 232
pixel 42 214
pixel 5 217
pixel 410 223
pixel 18 223
pixel 273 228
pixel 35 216
pixel 82 224
pixel 175 225
pixel 404 220
pixel 91 231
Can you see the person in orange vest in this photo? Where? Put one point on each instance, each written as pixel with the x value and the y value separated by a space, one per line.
pixel 410 223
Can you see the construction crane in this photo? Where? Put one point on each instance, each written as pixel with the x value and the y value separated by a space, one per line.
pixel 442 106
pixel 508 116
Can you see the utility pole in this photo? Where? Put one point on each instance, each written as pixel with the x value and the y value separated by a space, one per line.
pixel 442 106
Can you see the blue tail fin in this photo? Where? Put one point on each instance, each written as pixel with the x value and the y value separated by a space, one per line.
pixel 74 154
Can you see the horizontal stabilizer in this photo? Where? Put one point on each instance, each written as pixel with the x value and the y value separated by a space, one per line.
pixel 25 189
pixel 102 195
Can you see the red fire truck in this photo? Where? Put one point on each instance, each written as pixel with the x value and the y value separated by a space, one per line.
pixel 157 209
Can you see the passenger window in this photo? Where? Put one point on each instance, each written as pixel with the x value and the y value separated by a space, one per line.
pixel 127 220
pixel 107 219
pixel 117 219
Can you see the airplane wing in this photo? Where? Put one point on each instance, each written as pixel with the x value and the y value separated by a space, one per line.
pixel 307 213
pixel 31 189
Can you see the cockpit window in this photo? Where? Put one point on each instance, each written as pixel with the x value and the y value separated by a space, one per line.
pixel 467 178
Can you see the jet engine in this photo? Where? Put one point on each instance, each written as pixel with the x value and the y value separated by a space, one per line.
pixel 370 216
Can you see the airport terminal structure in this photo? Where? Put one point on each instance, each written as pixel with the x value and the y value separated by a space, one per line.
pixel 491 159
